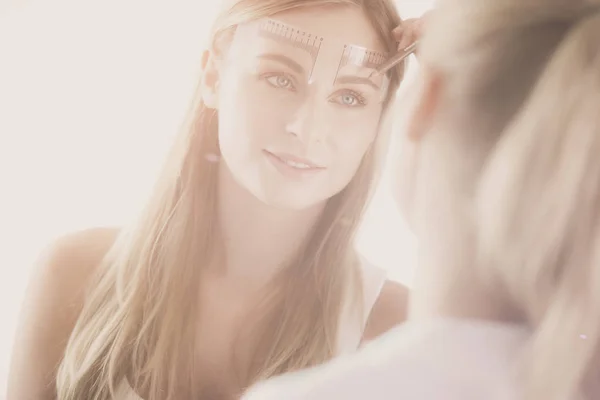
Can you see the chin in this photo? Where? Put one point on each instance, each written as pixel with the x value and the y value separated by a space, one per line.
pixel 287 202
pixel 282 194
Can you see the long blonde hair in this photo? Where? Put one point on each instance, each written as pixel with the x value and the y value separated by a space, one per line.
pixel 525 76
pixel 138 319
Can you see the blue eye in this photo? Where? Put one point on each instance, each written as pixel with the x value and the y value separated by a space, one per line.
pixel 280 81
pixel 350 99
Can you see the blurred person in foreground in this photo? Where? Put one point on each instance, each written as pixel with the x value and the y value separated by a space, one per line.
pixel 499 176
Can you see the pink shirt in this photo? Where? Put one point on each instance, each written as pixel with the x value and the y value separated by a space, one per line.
pixel 441 359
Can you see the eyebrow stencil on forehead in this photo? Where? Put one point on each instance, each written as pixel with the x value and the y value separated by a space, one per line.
pixel 361 56
pixel 356 65
pixel 285 34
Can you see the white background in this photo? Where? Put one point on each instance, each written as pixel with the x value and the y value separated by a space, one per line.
pixel 90 96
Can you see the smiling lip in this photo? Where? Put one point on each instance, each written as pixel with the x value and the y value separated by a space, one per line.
pixel 292 166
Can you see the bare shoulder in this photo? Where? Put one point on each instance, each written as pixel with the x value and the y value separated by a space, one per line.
pixel 52 304
pixel 65 266
pixel 389 310
pixel 76 254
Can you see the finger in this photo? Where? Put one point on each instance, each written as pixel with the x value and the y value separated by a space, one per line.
pixel 398 31
pixel 422 22
pixel 404 40
pixel 407 39
pixel 419 27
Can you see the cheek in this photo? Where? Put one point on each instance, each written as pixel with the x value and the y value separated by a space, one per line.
pixel 245 124
pixel 355 134
pixel 351 147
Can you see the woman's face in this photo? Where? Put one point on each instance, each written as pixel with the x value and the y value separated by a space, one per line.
pixel 297 107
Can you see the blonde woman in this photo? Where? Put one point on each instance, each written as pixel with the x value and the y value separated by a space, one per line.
pixel 242 266
pixel 501 181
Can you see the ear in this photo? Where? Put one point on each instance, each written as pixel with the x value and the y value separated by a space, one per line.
pixel 421 111
pixel 209 83
pixel 405 162
pixel 426 104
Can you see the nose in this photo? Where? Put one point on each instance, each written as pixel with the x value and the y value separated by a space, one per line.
pixel 306 123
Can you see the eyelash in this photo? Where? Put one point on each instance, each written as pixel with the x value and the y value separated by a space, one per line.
pixel 269 75
pixel 358 96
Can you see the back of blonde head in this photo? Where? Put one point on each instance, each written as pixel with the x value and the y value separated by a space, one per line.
pixel 524 78
pixel 138 321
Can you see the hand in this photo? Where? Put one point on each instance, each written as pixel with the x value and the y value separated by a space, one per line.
pixel 410 31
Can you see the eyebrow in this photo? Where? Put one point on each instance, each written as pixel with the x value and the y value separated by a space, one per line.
pixel 349 79
pixel 283 60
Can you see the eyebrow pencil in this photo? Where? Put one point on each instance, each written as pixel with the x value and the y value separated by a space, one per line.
pixel 396 59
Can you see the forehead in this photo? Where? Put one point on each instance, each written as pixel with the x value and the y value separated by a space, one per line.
pixel 338 26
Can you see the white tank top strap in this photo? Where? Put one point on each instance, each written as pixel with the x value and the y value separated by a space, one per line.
pixel 374 278
pixel 355 315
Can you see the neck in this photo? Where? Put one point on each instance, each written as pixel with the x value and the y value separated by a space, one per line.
pixel 258 239
pixel 449 283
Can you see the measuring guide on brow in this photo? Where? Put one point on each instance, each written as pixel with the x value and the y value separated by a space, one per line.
pixel 297 38
pixel 363 58
pixel 355 55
